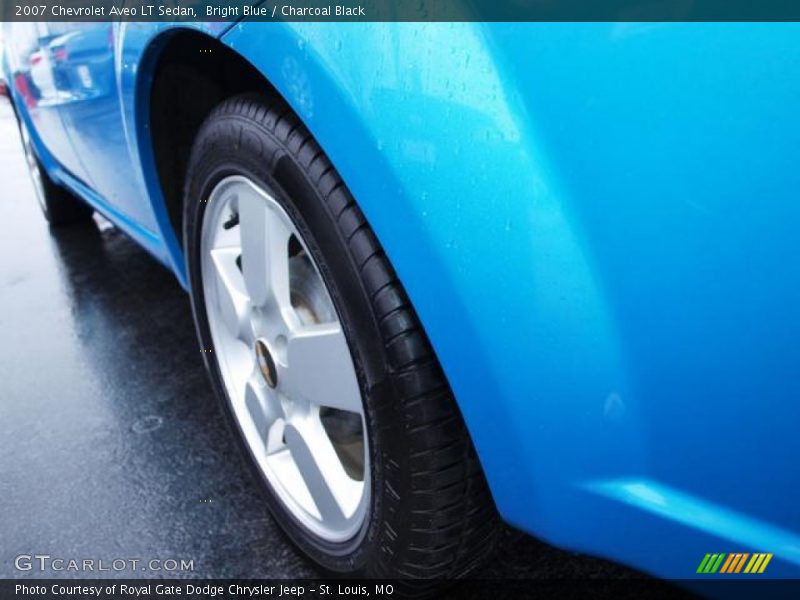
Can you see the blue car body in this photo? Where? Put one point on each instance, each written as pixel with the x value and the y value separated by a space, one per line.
pixel 597 225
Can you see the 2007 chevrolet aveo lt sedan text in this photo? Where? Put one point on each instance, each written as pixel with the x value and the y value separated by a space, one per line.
pixel 446 276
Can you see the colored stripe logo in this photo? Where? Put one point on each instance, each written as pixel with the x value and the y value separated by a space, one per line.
pixel 736 562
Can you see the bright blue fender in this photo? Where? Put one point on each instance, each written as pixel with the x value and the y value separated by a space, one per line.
pixel 589 220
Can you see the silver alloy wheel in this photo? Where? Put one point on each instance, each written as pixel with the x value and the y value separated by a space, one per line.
pixel 33 167
pixel 284 360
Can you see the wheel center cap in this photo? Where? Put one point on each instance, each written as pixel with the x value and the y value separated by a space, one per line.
pixel 266 364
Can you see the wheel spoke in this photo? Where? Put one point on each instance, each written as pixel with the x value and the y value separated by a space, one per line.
pixel 265 250
pixel 320 369
pixel 232 299
pixel 333 492
pixel 264 410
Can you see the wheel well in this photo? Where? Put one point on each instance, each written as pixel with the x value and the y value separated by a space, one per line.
pixel 194 73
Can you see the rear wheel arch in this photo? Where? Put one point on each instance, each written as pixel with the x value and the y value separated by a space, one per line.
pixel 184 73
pixel 187 52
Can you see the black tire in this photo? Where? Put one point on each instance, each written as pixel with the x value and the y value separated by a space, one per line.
pixel 60 207
pixel 431 513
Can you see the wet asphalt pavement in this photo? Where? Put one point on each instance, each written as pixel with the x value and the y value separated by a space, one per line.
pixel 111 443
